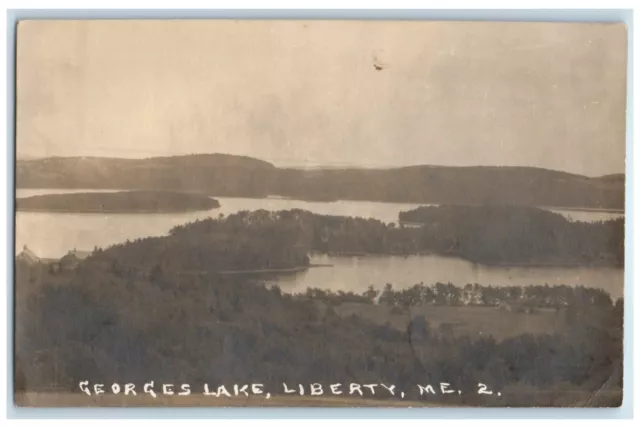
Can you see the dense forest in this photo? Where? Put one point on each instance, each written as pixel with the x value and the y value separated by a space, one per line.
pixel 242 241
pixel 136 201
pixel 517 235
pixel 226 175
pixel 157 308
pixel 282 240
pixel 488 235
pixel 119 327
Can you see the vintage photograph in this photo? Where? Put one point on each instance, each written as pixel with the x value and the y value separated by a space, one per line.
pixel 308 213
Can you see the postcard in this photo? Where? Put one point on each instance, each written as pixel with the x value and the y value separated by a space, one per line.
pixel 296 213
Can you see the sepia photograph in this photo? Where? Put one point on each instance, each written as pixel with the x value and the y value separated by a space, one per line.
pixel 319 213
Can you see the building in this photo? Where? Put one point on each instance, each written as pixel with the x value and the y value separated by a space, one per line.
pixel 411 224
pixel 81 255
pixel 71 260
pixel 27 256
pixel 517 307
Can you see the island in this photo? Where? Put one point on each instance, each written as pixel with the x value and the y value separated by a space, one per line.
pixel 126 202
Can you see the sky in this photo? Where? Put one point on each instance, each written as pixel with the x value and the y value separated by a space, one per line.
pixel 310 93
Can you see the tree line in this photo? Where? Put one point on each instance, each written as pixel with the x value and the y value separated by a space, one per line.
pixel 447 294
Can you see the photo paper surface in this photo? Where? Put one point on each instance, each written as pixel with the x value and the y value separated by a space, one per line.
pixel 314 213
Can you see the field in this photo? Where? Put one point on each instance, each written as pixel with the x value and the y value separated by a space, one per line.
pixel 462 320
pixel 70 399
pixel 517 397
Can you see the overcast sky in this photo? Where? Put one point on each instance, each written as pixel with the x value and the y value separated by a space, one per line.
pixel 307 92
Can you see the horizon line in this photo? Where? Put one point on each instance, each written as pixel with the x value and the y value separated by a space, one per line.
pixel 311 166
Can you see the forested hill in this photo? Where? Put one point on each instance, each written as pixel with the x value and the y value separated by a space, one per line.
pixel 262 239
pixel 494 234
pixel 226 175
pixel 214 174
pixel 456 185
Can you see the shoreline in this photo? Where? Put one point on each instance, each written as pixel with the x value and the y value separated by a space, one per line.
pixel 552 265
pixel 475 262
pixel 294 269
pixel 593 210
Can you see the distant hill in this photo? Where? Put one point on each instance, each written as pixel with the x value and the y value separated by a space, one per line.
pixel 222 175
pixel 455 185
pixel 612 178
pixel 227 175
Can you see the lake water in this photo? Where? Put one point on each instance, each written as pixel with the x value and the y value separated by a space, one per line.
pixel 357 273
pixel 52 235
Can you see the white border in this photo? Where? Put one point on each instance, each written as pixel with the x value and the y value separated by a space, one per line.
pixel 373 4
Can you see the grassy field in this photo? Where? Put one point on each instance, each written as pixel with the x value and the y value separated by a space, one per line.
pixel 513 397
pixel 70 399
pixel 459 320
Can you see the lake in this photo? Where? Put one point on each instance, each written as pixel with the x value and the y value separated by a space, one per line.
pixel 357 273
pixel 52 235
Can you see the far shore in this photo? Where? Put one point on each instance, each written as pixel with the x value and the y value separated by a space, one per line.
pixel 149 202
pixel 595 210
pixel 294 269
pixel 70 211
pixel 302 199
